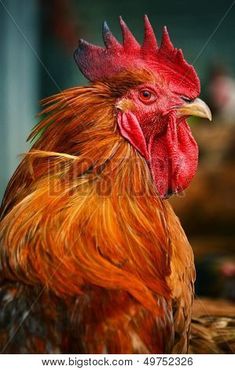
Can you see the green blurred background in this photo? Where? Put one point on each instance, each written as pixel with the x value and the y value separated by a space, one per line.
pixel 37 40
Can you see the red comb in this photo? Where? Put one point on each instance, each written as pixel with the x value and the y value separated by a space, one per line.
pixel 99 63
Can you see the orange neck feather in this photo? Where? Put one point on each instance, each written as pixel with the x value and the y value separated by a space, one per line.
pixel 82 209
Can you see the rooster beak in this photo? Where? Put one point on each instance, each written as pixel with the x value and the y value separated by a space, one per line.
pixel 195 108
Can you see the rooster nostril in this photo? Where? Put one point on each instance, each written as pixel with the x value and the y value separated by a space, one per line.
pixel 187 100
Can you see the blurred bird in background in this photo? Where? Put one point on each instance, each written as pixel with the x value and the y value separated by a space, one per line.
pixel 86 230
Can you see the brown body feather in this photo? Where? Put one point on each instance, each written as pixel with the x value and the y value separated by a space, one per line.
pixel 213 327
pixel 82 219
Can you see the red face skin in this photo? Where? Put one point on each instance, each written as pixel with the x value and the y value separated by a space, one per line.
pixel 154 127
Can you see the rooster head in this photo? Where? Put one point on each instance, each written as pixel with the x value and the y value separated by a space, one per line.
pixel 151 115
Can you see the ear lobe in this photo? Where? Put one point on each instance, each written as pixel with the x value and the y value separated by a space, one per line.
pixel 130 129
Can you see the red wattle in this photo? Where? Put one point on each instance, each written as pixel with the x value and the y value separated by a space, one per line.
pixel 172 154
pixel 173 157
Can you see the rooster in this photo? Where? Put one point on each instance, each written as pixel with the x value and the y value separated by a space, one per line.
pixel 93 258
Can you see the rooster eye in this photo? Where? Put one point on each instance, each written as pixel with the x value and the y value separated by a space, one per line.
pixel 147 96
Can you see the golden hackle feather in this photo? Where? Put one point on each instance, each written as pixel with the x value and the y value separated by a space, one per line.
pixel 81 211
pixel 65 232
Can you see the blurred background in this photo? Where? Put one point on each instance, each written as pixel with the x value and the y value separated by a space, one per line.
pixel 37 41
